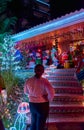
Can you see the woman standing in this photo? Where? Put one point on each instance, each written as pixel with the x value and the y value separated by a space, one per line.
pixel 40 93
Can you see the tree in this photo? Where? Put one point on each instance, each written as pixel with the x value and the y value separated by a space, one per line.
pixel 7 21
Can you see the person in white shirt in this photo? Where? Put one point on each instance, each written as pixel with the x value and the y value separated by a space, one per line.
pixel 40 92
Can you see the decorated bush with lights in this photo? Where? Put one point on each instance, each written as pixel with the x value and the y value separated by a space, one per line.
pixel 8 59
pixel 9 63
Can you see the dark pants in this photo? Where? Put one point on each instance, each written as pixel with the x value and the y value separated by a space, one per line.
pixel 1 125
pixel 39 114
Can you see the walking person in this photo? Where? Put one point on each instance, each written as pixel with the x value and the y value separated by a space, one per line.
pixel 40 93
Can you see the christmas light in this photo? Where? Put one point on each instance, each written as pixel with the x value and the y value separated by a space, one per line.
pixel 22 110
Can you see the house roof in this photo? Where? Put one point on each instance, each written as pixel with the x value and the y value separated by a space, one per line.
pixel 64 21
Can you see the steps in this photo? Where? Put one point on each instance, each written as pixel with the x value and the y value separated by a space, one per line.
pixel 66 108
pixel 68 98
pixel 68 103
pixel 62 78
pixel 68 90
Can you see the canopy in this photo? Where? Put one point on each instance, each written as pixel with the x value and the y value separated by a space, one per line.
pixel 56 24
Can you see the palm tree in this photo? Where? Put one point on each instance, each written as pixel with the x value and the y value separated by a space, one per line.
pixel 7 21
pixel 7 24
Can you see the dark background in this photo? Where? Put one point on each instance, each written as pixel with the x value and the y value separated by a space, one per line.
pixel 24 11
pixel 62 7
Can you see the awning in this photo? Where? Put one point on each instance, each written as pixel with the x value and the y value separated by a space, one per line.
pixel 64 21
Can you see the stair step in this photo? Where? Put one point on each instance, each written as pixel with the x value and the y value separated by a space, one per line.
pixel 67 84
pixel 66 108
pixel 66 101
pixel 71 70
pixel 65 118
pixel 61 74
pixel 52 105
pixel 61 78
pixel 68 98
pixel 69 90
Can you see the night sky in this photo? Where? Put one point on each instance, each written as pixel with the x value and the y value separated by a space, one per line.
pixel 62 7
pixel 22 9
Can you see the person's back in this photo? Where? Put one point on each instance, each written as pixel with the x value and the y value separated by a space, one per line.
pixel 40 93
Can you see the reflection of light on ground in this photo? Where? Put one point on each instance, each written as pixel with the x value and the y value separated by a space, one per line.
pixel 22 110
